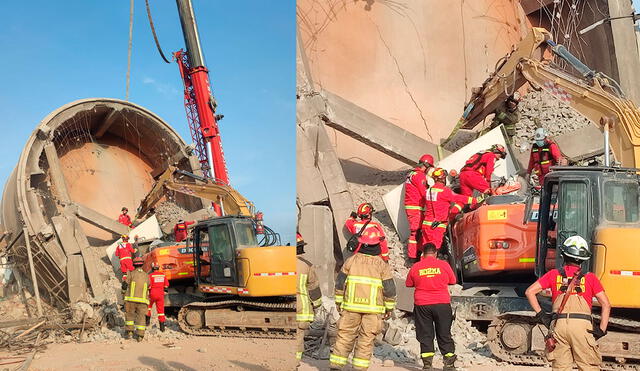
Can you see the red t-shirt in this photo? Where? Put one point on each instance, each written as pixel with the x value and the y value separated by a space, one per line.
pixel 431 278
pixel 589 283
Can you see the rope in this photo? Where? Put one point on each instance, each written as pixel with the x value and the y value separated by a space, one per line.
pixel 153 31
pixel 129 51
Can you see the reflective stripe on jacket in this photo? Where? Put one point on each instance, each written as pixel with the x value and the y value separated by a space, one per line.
pixel 365 285
pixel 308 294
pixel 138 286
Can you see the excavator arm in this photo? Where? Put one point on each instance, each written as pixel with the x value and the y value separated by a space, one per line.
pixel 231 200
pixel 594 95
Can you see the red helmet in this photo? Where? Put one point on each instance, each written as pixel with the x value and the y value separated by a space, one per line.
pixel 499 149
pixel 426 160
pixel 137 262
pixel 365 210
pixel 439 174
pixel 370 236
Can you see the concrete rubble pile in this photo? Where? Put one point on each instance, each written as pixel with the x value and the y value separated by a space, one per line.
pixel 82 163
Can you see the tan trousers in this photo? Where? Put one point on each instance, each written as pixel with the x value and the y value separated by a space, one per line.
pixel 574 346
pixel 135 314
pixel 300 331
pixel 359 329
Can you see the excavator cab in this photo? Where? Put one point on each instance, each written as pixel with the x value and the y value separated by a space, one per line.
pixel 601 204
pixel 215 243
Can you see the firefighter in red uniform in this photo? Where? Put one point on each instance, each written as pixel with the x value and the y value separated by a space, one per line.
pixel 180 231
pixel 544 154
pixel 441 203
pixel 159 285
pixel 414 192
pixel 476 173
pixel 124 218
pixel 432 307
pixel 365 211
pixel 125 252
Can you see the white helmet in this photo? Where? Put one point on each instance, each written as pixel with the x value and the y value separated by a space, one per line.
pixel 540 134
pixel 576 247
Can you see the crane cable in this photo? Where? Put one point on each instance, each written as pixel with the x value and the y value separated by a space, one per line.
pixel 126 96
pixel 153 31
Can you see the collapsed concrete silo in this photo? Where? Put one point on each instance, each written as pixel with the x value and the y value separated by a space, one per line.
pixel 81 164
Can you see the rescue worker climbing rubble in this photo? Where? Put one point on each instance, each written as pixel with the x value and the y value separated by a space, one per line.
pixel 364 214
pixel 136 300
pixel 124 218
pixel 441 203
pixel 475 175
pixel 507 114
pixel 308 295
pixel 157 290
pixel 544 154
pixel 571 323
pixel 181 230
pixel 415 188
pixel 365 294
pixel 125 252
pixel 432 307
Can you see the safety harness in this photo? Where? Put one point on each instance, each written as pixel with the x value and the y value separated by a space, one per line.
pixel 545 155
pixel 564 287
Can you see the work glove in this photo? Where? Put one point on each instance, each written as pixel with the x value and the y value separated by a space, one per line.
pixel 353 215
pixel 124 285
pixel 597 332
pixel 544 318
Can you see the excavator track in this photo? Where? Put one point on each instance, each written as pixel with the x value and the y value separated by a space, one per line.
pixel 508 336
pixel 239 318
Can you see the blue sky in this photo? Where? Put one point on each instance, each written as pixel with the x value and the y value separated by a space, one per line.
pixel 55 52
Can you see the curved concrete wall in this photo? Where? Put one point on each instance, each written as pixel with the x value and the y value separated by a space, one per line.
pixel 412 63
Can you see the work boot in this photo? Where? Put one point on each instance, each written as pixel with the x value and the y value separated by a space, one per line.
pixel 147 320
pixel 139 338
pixel 427 363
pixel 128 334
pixel 449 361
pixel 162 326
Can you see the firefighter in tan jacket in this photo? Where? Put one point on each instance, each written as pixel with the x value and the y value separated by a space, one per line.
pixel 365 294
pixel 136 300
pixel 308 295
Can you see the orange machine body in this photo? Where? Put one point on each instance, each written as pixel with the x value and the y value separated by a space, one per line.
pixel 175 261
pixel 493 239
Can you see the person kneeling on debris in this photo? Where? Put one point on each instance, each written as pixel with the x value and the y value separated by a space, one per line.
pixel 136 300
pixel 157 290
pixel 476 173
pixel 571 324
pixel 441 203
pixel 124 218
pixel 308 295
pixel 432 306
pixel 415 188
pixel 365 212
pixel 125 252
pixel 365 294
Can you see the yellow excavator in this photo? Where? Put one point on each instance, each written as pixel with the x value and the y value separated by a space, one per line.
pixel 221 278
pixel 600 203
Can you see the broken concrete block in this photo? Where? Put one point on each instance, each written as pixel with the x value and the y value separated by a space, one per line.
pixel 64 231
pixel 404 295
pixel 91 263
pixel 582 143
pixel 309 186
pixel 393 336
pixel 316 227
pixel 375 131
pixel 76 283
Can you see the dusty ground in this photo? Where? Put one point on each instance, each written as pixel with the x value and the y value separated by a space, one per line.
pixel 190 354
pixel 312 365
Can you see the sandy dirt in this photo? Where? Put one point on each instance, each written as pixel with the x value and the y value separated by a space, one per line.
pixel 313 365
pixel 193 353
